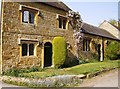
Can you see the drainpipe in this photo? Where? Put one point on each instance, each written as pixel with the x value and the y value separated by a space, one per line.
pixel 102 50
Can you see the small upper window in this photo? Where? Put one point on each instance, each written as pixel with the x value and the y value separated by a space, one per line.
pixel 28 17
pixel 29 14
pixel 62 22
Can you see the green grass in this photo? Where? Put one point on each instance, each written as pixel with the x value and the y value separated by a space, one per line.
pixel 79 69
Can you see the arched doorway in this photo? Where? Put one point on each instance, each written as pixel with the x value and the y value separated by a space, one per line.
pixel 47 54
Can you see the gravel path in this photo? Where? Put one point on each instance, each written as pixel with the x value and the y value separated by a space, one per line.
pixel 2 84
pixel 109 79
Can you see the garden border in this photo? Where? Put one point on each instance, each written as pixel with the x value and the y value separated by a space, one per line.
pixel 55 81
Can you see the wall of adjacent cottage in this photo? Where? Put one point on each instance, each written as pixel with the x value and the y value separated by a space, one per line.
pixel 111 29
pixel 93 53
pixel 119 34
pixel 13 28
pixel 0 51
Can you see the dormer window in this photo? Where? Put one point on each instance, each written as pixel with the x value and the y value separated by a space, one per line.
pixel 63 22
pixel 28 17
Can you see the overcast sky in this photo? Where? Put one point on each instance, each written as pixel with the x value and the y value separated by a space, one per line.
pixel 95 12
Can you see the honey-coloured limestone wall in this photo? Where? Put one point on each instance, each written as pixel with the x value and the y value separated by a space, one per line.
pixel 13 29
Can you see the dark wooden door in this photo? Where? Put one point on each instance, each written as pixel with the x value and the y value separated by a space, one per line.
pixel 47 54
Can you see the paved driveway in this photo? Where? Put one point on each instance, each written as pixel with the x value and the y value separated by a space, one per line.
pixel 109 79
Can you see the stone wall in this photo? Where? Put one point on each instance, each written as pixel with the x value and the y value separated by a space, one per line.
pixel 45 27
pixel 93 53
pixel 14 28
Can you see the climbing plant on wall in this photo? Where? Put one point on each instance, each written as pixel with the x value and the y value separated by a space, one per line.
pixel 76 23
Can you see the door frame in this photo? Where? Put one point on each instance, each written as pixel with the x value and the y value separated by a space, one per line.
pixel 45 41
pixel 99 52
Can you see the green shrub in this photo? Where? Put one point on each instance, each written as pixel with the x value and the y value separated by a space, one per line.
pixel 17 72
pixel 88 57
pixel 12 72
pixel 113 50
pixel 59 51
pixel 94 58
pixel 82 61
pixel 70 62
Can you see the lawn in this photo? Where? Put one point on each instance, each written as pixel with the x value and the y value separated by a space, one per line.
pixel 76 70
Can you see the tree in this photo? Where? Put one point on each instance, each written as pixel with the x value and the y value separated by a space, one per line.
pixel 115 22
pixel 113 50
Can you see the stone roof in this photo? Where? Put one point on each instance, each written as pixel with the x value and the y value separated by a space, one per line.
pixel 93 30
pixel 56 3
pixel 114 26
pixel 110 24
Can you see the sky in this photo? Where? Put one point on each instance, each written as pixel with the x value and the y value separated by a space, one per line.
pixel 94 12
pixel 119 10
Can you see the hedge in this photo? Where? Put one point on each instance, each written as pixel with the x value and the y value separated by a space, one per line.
pixel 59 51
pixel 113 50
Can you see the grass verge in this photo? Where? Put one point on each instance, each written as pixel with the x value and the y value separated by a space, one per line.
pixel 76 70
pixel 89 68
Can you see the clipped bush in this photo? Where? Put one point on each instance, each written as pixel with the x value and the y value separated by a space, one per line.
pixel 113 50
pixel 59 51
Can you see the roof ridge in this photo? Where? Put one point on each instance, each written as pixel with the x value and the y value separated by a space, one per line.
pixel 56 3
pixel 114 26
pixel 94 30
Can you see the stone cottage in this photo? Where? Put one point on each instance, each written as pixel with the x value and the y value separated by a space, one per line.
pixel 95 40
pixel 28 28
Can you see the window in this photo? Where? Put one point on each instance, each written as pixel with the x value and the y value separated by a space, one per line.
pixel 62 22
pixel 31 49
pixel 28 16
pixel 86 45
pixel 24 49
pixel 27 49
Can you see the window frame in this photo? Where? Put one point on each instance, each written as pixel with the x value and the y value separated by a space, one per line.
pixel 86 44
pixel 29 17
pixel 28 49
pixel 24 49
pixel 62 19
pixel 33 10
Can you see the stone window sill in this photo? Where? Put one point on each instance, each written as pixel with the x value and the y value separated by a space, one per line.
pixel 31 24
pixel 28 56
pixel 62 29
